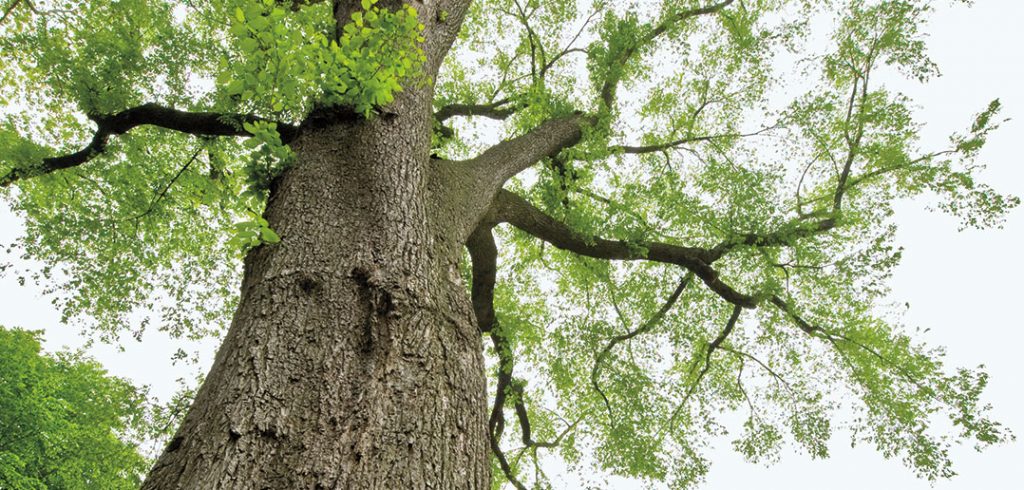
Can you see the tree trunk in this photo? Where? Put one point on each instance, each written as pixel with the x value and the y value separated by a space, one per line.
pixel 353 360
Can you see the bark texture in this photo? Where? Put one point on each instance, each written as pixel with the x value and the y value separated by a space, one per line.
pixel 354 360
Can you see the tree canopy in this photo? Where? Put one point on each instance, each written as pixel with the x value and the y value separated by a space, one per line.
pixel 65 423
pixel 708 228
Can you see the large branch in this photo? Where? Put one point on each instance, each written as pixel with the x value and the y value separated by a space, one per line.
pixel 512 209
pixel 195 123
pixel 786 235
pixel 504 160
pixel 484 255
pixel 499 110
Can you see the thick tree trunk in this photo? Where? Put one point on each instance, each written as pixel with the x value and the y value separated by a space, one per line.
pixel 353 360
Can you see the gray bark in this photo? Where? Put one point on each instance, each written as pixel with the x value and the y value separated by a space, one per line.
pixel 354 360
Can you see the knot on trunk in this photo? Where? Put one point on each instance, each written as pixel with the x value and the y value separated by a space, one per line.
pixel 385 299
pixel 384 295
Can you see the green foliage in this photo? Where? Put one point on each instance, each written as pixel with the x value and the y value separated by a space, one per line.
pixel 377 51
pixel 269 159
pixel 692 147
pixel 65 423
pixel 287 64
pixel 744 168
pixel 249 234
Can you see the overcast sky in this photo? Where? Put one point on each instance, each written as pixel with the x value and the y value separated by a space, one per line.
pixel 965 286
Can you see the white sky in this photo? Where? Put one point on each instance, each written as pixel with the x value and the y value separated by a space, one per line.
pixel 965 286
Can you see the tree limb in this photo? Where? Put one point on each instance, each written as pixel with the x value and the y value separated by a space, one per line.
pixel 611 83
pixel 714 345
pixel 778 238
pixel 635 150
pixel 8 10
pixel 651 322
pixel 834 338
pixel 516 211
pixel 484 254
pixel 499 109
pixel 504 160
pixel 195 123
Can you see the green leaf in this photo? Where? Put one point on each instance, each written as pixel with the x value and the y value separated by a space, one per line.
pixel 269 236
pixel 249 45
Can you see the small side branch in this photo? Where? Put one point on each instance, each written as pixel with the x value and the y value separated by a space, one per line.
pixel 834 338
pixel 611 84
pixel 714 345
pixel 653 321
pixel 163 192
pixel 8 10
pixel 109 125
pixel 637 150
pixel 730 324
pixel 793 316
pixel 499 110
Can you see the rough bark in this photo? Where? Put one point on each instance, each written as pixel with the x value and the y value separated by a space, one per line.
pixel 354 360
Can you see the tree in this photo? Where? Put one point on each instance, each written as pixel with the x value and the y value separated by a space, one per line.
pixel 64 423
pixel 677 243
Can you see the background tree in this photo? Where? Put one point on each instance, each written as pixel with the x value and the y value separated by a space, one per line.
pixel 713 249
pixel 64 423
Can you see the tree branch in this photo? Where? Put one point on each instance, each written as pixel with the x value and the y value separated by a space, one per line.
pixel 195 123
pixel 778 238
pixel 833 338
pixel 484 254
pixel 516 211
pixel 504 160
pixel 163 192
pixel 499 109
pixel 714 345
pixel 8 10
pixel 651 322
pixel 611 83
pixel 635 150
pixel 791 313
